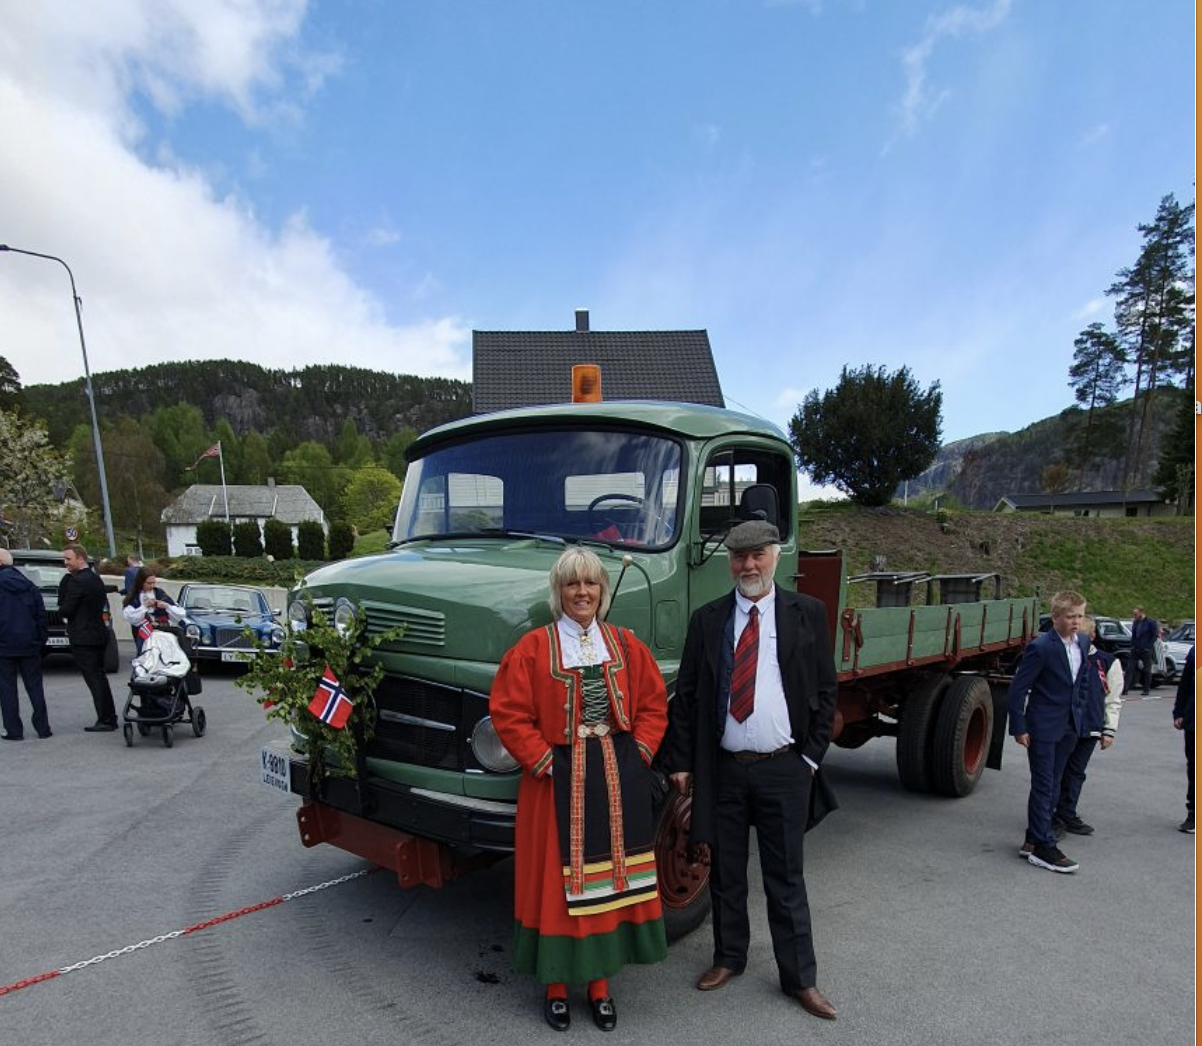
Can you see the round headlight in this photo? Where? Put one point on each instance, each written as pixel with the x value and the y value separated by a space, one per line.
pixel 192 631
pixel 488 750
pixel 298 616
pixel 277 635
pixel 344 617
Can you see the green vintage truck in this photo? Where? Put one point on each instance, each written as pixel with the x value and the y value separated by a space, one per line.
pixel 490 502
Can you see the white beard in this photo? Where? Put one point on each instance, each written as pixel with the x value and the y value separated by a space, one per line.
pixel 755 588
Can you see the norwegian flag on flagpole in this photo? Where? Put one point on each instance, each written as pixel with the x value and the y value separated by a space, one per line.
pixel 146 629
pixel 330 704
pixel 213 452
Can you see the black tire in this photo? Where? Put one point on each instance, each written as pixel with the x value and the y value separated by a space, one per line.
pixel 963 730
pixel 128 731
pixel 198 721
pixel 168 736
pixel 684 883
pixel 112 658
pixel 916 730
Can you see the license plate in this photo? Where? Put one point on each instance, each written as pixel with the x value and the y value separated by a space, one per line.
pixel 235 655
pixel 274 770
pixel 58 641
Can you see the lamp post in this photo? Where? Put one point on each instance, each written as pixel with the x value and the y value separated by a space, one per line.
pixel 104 486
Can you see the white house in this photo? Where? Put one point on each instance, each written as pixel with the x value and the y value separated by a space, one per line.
pixel 288 502
pixel 1097 503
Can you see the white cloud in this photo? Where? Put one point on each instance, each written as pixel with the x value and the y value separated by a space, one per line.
pixel 167 267
pixel 920 101
pixel 1093 136
pixel 789 398
pixel 1093 307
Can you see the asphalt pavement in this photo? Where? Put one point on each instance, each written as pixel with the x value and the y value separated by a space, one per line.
pixel 929 929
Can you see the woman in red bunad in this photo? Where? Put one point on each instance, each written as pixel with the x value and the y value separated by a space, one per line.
pixel 582 706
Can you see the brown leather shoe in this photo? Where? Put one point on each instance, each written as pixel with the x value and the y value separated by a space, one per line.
pixel 715 977
pixel 813 1001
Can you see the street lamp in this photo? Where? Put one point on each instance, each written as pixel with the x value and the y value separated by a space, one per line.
pixel 104 486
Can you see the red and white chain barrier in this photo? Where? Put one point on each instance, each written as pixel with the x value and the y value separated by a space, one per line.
pixel 129 949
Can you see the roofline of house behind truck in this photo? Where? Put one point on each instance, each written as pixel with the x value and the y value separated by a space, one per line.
pixel 678 419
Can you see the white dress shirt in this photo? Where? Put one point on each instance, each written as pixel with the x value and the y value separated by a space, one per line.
pixel 768 727
pixel 1074 654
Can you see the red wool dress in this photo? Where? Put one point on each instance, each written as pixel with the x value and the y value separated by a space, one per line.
pixel 537 706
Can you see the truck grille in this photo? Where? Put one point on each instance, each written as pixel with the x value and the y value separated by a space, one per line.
pixel 423 723
pixel 423 627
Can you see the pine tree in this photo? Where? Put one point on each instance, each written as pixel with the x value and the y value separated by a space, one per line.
pixel 1154 314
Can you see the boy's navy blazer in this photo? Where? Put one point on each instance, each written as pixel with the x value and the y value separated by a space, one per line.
pixel 1044 698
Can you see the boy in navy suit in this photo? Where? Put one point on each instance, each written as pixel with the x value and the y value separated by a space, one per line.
pixel 1047 709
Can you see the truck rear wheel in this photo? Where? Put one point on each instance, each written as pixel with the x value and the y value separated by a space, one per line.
pixel 963 729
pixel 683 875
pixel 914 735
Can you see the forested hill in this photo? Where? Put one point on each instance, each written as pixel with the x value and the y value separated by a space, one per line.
pixel 980 470
pixel 307 404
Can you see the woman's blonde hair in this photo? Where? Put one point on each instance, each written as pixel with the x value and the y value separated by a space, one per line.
pixel 577 564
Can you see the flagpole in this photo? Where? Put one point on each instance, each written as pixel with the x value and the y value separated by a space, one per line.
pixel 224 493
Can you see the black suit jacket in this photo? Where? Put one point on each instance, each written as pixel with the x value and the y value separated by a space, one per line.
pixel 698 710
pixel 82 600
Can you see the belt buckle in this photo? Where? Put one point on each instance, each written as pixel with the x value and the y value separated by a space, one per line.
pixel 592 730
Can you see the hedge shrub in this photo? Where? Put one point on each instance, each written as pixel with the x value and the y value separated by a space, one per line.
pixel 248 540
pixel 310 540
pixel 277 539
pixel 342 539
pixel 213 537
pixel 234 569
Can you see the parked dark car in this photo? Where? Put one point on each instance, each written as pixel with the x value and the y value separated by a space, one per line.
pixel 216 616
pixel 46 570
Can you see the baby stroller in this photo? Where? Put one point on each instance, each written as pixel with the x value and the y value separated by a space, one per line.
pixel 161 685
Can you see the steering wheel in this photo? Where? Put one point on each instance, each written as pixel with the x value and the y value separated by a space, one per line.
pixel 592 506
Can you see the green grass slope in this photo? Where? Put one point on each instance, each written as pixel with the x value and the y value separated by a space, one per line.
pixel 1115 563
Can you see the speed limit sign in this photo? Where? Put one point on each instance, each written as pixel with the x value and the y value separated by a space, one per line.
pixel 72 533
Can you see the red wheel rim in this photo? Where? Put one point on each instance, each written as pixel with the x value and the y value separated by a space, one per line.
pixel 681 880
pixel 974 741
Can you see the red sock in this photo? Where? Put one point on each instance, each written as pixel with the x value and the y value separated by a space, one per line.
pixel 598 989
pixel 557 991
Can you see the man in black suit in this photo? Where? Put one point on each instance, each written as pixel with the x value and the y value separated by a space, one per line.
pixel 1048 706
pixel 751 721
pixel 1183 719
pixel 83 601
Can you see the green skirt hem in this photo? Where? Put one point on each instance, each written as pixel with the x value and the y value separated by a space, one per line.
pixel 576 960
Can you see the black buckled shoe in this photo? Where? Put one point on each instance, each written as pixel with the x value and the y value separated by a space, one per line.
pixel 557 1014
pixel 605 1013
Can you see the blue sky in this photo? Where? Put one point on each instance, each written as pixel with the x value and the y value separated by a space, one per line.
pixel 950 186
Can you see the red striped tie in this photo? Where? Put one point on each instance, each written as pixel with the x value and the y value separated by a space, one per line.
pixel 742 677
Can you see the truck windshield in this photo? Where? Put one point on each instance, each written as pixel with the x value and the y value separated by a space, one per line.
pixel 612 486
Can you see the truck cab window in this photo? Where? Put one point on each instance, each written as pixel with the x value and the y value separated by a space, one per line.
pixel 741 483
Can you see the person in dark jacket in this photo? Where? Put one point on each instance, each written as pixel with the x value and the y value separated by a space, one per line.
pixel 1047 710
pixel 82 601
pixel 22 637
pixel 1183 719
pixel 1144 633
pixel 751 721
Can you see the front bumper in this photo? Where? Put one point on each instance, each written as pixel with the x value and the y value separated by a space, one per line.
pixel 457 820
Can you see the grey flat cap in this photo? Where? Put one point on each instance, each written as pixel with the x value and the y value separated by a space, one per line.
pixel 755 533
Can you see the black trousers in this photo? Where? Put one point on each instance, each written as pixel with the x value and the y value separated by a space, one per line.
pixel 1140 661
pixel 774 796
pixel 91 664
pixel 31 672
pixel 1073 778
pixel 1189 768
